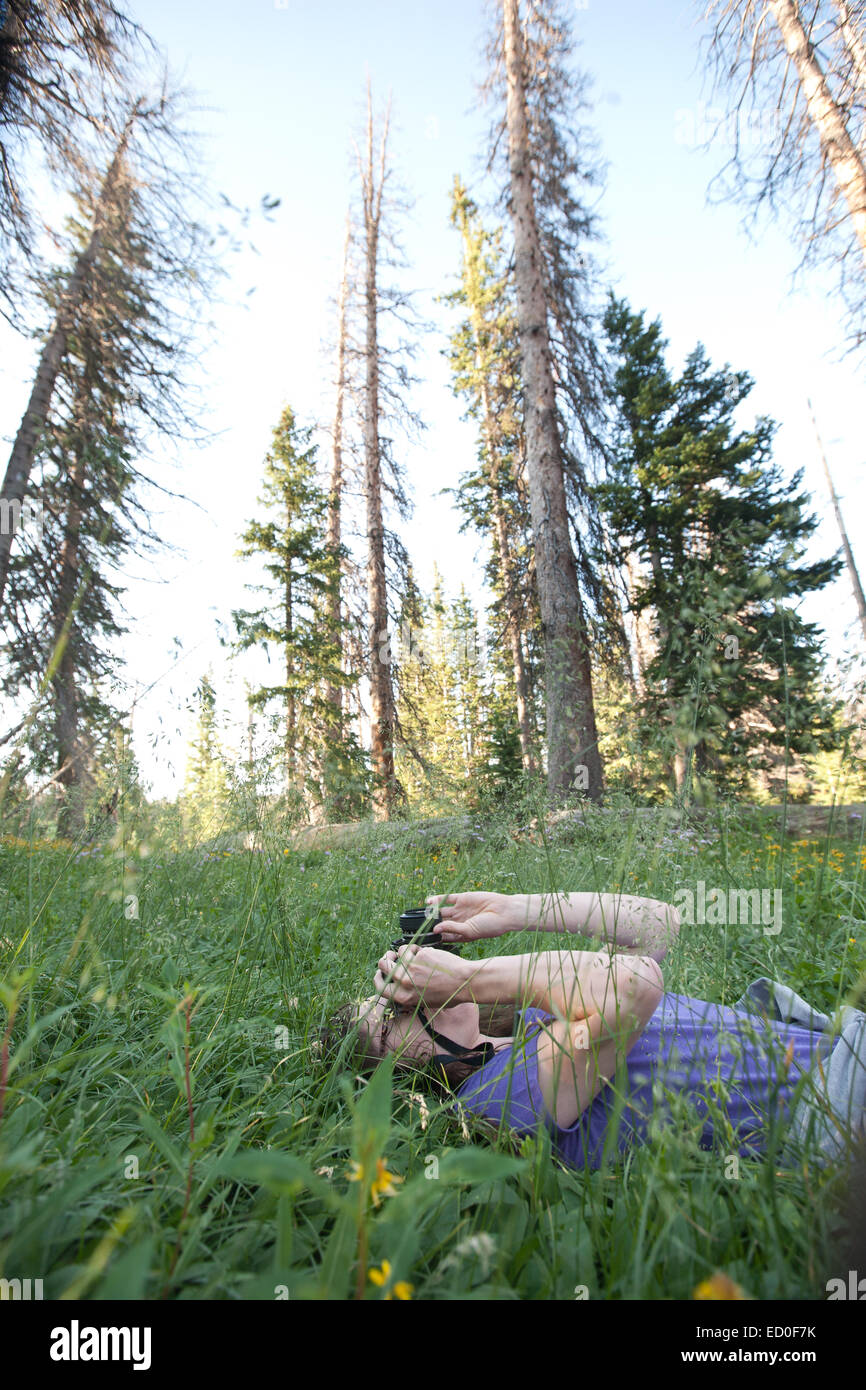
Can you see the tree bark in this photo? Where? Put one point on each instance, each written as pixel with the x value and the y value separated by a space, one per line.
pixel 859 598
pixel 829 122
pixel 291 717
pixel 382 722
pixel 641 631
pixel 572 739
pixel 72 773
pixel 853 42
pixel 680 760
pixel 334 693
pixel 20 463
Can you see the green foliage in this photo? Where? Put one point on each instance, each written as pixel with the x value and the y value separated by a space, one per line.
pixel 324 763
pixel 206 786
pixel 484 355
pixel 735 681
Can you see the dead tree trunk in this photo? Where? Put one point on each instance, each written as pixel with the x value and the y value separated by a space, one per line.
pixel 334 693
pixel 382 721
pixel 828 120
pixel 572 740
pixel 846 547
pixel 853 41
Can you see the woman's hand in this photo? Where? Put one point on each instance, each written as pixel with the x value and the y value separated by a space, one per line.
pixel 421 973
pixel 472 916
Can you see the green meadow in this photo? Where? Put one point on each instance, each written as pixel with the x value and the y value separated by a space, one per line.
pixel 169 1131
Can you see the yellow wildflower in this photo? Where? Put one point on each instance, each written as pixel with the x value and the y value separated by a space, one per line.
pixel 718 1287
pixel 381 1277
pixel 383 1183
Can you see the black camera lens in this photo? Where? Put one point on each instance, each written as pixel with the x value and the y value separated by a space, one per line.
pixel 415 930
pixel 413 919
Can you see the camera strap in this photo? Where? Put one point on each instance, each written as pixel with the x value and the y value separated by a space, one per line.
pixel 473 1056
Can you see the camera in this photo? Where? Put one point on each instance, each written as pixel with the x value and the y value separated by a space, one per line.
pixel 415 930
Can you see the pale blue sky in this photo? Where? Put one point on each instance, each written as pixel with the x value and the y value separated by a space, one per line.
pixel 283 88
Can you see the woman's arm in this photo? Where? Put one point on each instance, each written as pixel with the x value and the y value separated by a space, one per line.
pixel 643 925
pixel 569 984
pixel 576 1058
pixel 601 1003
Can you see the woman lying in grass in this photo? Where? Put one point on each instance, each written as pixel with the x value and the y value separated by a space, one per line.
pixel 594 1047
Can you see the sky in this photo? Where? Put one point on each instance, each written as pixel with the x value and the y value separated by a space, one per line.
pixel 281 92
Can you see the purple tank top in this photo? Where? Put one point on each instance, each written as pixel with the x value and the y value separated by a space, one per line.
pixel 713 1058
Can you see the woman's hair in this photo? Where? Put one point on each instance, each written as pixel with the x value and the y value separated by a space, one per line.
pixel 496 1020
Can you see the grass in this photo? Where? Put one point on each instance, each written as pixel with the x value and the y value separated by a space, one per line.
pixel 167 1133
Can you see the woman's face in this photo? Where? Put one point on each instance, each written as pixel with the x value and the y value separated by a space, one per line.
pixel 406 1034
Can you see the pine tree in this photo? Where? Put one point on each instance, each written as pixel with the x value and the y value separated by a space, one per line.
pixel 111 372
pixel 70 302
pixel 484 356
pixel 58 61
pixel 466 669
pixel 382 722
pixel 206 785
pixel 720 533
pixel 413 765
pixel 436 684
pixel 296 620
pixel 560 364
pixel 140 270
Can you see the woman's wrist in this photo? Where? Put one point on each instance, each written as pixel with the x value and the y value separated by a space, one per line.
pixel 490 981
pixel 544 911
pixel 520 911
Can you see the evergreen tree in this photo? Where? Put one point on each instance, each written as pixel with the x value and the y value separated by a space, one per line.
pixel 111 372
pixel 58 61
pixel 484 355
pixel 720 534
pixel 297 622
pixel 466 674
pixel 547 168
pixel 499 766
pixel 412 765
pixel 437 681
pixel 206 785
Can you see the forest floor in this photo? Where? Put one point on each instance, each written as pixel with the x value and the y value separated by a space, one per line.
pixel 166 1128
